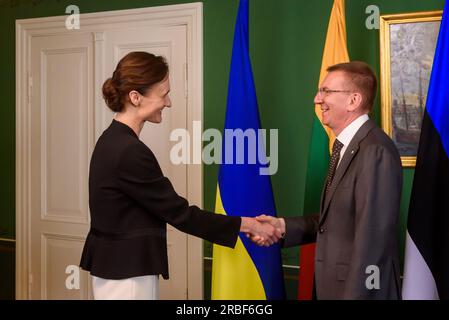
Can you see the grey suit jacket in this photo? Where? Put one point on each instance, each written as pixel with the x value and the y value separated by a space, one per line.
pixel 357 224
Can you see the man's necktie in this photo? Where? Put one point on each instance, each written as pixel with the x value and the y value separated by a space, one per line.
pixel 336 148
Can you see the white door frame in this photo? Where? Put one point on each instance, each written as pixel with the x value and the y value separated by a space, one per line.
pixel 190 15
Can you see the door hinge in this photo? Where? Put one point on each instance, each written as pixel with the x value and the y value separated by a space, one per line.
pixel 30 87
pixel 186 81
pixel 30 285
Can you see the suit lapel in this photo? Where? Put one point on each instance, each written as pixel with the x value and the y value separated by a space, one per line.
pixel 350 153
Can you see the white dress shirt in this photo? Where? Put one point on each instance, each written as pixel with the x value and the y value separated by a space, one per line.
pixel 349 132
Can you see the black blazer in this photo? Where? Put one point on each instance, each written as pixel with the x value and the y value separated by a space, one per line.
pixel 130 203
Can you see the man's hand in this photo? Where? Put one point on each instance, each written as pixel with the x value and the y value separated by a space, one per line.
pixel 277 223
pixel 265 233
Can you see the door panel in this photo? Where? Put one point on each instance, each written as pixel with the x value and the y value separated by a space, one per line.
pixel 62 141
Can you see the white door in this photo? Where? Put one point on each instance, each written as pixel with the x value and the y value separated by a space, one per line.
pixel 64 128
pixel 62 139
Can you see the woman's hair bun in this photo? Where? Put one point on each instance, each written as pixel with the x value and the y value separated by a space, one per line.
pixel 112 96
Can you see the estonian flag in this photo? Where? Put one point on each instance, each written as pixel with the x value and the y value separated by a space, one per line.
pixel 426 269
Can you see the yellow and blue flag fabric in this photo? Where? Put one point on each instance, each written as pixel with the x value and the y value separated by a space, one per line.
pixel 247 271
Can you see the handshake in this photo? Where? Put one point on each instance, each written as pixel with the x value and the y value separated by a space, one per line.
pixel 263 230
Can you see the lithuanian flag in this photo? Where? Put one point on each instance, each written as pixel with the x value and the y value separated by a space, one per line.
pixel 335 51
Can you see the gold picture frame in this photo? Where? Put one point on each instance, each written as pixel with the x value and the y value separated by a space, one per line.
pixel 405 74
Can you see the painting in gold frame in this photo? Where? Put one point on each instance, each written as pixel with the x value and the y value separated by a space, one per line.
pixel 407 47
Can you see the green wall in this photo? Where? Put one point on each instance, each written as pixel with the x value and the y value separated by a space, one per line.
pixel 287 38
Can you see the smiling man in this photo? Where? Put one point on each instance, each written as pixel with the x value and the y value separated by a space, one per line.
pixel 355 232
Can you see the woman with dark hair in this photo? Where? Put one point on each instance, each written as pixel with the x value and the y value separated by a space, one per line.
pixel 130 199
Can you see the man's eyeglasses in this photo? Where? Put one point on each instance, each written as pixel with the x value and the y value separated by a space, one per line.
pixel 323 92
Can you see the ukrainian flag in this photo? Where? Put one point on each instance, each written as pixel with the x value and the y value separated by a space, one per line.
pixel 247 271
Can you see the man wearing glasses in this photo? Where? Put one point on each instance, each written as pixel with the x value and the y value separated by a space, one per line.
pixel 356 247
